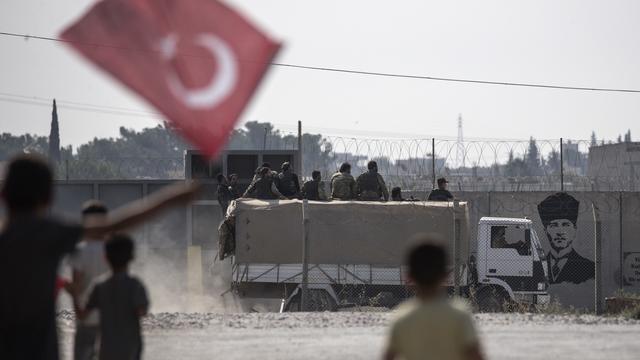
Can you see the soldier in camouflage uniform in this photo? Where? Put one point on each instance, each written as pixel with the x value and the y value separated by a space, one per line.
pixel 371 186
pixel 264 188
pixel 343 186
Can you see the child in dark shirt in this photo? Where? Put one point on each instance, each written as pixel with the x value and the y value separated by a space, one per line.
pixel 120 300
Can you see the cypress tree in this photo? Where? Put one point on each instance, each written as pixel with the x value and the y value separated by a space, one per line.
pixel 54 136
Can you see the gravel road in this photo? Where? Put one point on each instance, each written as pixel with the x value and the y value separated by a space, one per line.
pixel 360 335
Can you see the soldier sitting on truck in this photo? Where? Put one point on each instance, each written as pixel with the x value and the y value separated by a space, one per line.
pixel 441 193
pixel 264 188
pixel 234 187
pixel 288 182
pixel 272 173
pixel 343 185
pixel 223 194
pixel 370 185
pixel 313 189
pixel 396 194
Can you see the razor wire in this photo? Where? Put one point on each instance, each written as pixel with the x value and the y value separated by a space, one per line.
pixel 414 164
pixel 478 165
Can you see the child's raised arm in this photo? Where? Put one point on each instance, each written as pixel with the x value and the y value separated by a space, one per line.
pixel 141 210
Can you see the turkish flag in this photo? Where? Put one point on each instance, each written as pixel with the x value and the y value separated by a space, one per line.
pixel 197 61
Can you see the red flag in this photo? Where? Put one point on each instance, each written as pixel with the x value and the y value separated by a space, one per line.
pixel 197 61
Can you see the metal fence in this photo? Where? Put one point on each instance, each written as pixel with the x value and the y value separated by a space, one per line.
pixel 126 167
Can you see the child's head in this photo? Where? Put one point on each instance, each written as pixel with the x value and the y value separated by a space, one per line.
pixel 28 185
pixel 427 262
pixel 94 207
pixel 93 211
pixel 119 251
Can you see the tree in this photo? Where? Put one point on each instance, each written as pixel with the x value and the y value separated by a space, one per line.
pixel 553 162
pixel 533 158
pixel 594 140
pixel 11 145
pixel 515 166
pixel 619 139
pixel 54 136
pixel 627 136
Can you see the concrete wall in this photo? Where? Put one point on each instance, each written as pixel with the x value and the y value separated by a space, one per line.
pixel 170 234
pixel 620 222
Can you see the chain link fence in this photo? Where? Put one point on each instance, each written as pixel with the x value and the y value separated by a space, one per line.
pixel 127 167
pixel 522 251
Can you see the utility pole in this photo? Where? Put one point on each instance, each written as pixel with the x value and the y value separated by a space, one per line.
pixel 304 295
pixel 597 238
pixel 264 140
pixel 561 166
pixel 460 151
pixel 299 162
pixel 433 163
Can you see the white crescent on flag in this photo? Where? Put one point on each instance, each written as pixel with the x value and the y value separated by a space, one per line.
pixel 222 82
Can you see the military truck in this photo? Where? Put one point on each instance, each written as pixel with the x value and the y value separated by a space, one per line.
pixel 350 254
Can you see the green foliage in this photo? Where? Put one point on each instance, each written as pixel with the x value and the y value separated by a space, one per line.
pixel 11 145
pixel 159 153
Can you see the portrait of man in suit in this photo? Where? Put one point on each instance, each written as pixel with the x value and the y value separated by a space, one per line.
pixel 559 215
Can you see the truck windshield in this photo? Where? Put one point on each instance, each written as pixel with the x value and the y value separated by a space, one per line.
pixel 537 246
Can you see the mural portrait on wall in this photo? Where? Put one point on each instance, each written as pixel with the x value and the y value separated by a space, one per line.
pixel 559 215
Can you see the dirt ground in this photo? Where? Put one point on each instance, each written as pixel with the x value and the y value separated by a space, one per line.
pixel 361 335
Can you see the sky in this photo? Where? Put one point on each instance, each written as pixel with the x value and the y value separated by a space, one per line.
pixel 573 43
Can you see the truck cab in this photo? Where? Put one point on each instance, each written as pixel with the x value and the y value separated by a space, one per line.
pixel 510 265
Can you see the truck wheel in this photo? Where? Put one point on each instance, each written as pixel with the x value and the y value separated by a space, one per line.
pixel 294 304
pixel 492 299
pixel 320 300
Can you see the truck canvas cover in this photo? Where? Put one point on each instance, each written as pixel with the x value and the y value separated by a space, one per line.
pixel 342 232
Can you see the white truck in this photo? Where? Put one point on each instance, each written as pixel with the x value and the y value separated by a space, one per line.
pixel 354 253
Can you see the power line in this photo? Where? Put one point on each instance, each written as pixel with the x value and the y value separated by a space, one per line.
pixel 79 108
pixel 369 73
pixel 47 101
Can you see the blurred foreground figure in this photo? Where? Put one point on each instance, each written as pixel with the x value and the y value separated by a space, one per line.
pixel 88 264
pixel 430 326
pixel 32 244
pixel 441 193
pixel 371 186
pixel 343 185
pixel 121 301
